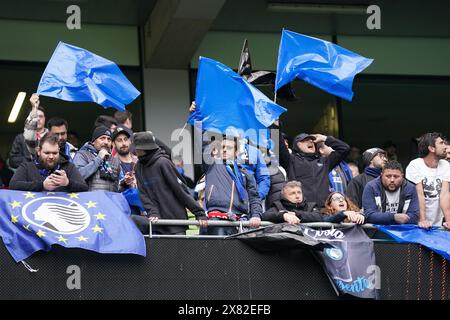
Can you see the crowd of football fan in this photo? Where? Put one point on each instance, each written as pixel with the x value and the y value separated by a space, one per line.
pixel 318 179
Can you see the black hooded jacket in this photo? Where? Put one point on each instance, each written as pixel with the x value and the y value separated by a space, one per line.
pixel 162 191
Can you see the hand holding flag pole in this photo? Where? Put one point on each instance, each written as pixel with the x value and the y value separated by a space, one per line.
pixel 225 100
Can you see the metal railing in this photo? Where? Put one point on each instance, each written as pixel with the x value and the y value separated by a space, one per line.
pixel 243 224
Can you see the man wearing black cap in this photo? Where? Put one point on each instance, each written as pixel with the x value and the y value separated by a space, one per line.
pixel 121 140
pixel 374 159
pixel 161 188
pixel 95 163
pixel 306 165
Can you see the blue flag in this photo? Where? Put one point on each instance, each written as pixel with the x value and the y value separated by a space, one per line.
pixel 75 74
pixel 225 100
pixel 97 221
pixel 436 240
pixel 318 62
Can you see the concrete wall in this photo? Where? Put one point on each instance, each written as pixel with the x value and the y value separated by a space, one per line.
pixel 35 41
pixel 167 99
pixel 393 55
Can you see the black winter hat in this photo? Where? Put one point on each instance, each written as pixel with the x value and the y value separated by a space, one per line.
pixel 369 154
pixel 100 131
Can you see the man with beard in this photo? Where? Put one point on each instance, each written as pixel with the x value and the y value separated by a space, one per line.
pixel 122 142
pixel 49 172
pixel 59 127
pixel 94 161
pixel 293 208
pixel 374 159
pixel 305 164
pixel 161 190
pixel 431 175
pixel 390 199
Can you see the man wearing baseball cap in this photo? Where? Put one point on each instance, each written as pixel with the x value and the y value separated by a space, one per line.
pixel 161 189
pixel 121 140
pixel 95 163
pixel 374 160
pixel 306 165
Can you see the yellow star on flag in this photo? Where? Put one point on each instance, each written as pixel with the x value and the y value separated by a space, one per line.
pixel 15 204
pixel 27 227
pixel 29 195
pixel 40 233
pixel 81 238
pixel 73 195
pixel 91 204
pixel 49 193
pixel 97 229
pixel 100 216
pixel 14 219
pixel 62 239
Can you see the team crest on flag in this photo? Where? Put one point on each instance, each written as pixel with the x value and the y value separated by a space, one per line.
pixel 57 214
pixel 98 221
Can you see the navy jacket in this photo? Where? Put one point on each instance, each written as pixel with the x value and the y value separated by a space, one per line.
pixel 374 203
pixel 221 193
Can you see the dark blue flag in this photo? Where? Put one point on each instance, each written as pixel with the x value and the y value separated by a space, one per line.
pixel 348 258
pixel 318 62
pixel 433 239
pixel 97 221
pixel 75 74
pixel 346 255
pixel 225 100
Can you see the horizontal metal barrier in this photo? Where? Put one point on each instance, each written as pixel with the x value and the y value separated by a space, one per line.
pixel 244 224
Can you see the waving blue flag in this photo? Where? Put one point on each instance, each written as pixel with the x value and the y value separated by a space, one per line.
pixel 436 240
pixel 97 221
pixel 225 100
pixel 318 62
pixel 75 74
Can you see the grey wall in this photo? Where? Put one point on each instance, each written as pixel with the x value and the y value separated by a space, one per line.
pixel 167 99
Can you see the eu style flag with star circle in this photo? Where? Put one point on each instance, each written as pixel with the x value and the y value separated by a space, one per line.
pixel 98 221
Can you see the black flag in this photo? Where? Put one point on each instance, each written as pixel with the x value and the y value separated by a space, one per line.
pixel 261 78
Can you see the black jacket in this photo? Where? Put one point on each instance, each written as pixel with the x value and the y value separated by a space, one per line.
pixel 312 170
pixel 19 152
pixel 356 186
pixel 277 181
pixel 28 178
pixel 162 192
pixel 305 211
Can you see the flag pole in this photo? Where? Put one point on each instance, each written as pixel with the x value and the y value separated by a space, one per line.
pixel 184 127
pixel 275 98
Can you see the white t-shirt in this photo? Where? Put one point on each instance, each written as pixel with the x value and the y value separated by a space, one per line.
pixel 431 178
pixel 392 200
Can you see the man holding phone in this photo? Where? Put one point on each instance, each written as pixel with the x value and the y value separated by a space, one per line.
pixel 122 143
pixel 121 140
pixel 48 171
